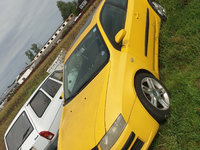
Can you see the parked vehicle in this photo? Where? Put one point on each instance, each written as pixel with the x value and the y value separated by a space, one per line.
pixel 113 98
pixel 36 125
pixel 1 105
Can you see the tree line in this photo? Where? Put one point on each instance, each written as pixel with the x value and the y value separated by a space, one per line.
pixel 65 8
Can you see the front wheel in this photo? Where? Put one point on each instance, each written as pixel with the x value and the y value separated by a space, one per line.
pixel 153 95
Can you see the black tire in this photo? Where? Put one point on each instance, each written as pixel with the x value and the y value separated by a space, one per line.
pixel 158 9
pixel 159 113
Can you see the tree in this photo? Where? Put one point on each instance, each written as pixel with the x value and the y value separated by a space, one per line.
pixel 35 48
pixel 30 55
pixel 66 8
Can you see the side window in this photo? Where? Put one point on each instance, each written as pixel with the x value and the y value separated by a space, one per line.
pixel 58 75
pixel 19 132
pixel 39 103
pixel 112 18
pixel 51 87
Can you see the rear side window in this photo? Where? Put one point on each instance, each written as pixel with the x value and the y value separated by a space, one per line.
pixel 112 18
pixel 39 103
pixel 51 87
pixel 19 132
pixel 58 75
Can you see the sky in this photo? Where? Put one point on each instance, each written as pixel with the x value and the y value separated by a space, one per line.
pixel 23 22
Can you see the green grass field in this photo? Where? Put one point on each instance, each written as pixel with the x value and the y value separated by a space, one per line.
pixel 179 70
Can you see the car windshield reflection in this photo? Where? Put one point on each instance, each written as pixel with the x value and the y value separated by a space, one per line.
pixel 85 62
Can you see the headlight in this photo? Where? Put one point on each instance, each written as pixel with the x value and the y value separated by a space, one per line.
pixel 113 133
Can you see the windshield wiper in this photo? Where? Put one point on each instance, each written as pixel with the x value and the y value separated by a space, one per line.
pixel 25 134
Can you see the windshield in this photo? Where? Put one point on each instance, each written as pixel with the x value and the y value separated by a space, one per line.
pixel 19 132
pixel 86 61
pixel 84 27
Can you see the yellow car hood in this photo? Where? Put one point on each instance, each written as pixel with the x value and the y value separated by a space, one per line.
pixel 83 119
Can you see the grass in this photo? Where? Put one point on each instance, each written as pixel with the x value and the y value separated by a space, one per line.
pixel 180 72
pixel 21 96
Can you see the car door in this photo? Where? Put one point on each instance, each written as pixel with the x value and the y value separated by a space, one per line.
pixel 29 142
pixel 53 88
pixel 39 108
pixel 44 107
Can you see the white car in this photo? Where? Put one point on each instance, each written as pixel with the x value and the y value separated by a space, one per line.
pixel 36 125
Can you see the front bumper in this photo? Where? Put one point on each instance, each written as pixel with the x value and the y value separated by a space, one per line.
pixel 140 130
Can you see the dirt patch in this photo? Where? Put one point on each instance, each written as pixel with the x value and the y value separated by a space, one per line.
pixel 177 39
pixel 198 83
pixel 186 2
pixel 198 112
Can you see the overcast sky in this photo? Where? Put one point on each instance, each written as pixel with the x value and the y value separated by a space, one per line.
pixel 23 22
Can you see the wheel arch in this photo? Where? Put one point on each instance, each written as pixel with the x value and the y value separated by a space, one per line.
pixel 143 71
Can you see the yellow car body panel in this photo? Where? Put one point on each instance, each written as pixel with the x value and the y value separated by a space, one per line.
pixel 90 114
pixel 86 108
pixel 135 29
pixel 122 69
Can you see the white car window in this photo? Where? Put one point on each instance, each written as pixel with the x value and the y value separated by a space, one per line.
pixel 57 75
pixel 51 87
pixel 19 132
pixel 39 103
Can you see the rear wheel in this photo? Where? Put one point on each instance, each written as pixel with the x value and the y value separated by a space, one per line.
pixel 153 95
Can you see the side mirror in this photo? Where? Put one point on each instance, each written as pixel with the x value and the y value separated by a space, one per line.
pixel 62 95
pixel 120 36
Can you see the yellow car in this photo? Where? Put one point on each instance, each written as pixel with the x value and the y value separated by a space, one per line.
pixel 113 98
